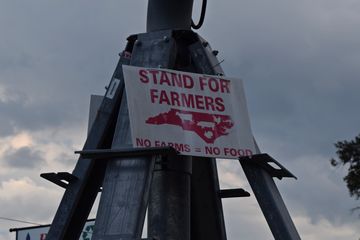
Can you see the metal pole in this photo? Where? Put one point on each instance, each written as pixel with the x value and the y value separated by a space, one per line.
pixel 271 203
pixel 169 206
pixel 169 14
pixel 169 200
pixel 169 203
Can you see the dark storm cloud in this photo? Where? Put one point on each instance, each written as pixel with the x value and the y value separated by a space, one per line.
pixel 319 192
pixel 24 157
pixel 52 57
pixel 21 114
pixel 300 63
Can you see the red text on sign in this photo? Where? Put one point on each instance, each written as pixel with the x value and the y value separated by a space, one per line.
pixel 143 142
pixel 187 100
pixel 212 150
pixel 215 84
pixel 180 147
pixel 166 78
pixel 232 152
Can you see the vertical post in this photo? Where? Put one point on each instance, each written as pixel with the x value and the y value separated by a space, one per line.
pixel 169 203
pixel 169 14
pixel 169 200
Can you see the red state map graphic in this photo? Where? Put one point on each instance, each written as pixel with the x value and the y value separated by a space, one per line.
pixel 208 126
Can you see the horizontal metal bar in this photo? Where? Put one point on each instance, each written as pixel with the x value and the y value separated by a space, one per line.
pixel 233 193
pixel 39 226
pixel 267 163
pixel 126 152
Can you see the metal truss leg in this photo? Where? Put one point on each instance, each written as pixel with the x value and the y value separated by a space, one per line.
pixel 126 186
pixel 81 193
pixel 124 198
pixel 270 201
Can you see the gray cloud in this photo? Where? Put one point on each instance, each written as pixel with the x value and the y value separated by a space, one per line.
pixel 319 191
pixel 23 114
pixel 67 159
pixel 300 63
pixel 24 157
pixel 53 58
pixel 300 66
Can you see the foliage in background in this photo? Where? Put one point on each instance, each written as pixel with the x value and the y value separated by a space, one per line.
pixel 348 153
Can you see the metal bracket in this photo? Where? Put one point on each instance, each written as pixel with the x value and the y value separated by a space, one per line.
pixel 269 164
pixel 62 179
pixel 126 152
pixel 232 193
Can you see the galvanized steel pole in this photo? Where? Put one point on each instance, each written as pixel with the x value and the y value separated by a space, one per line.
pixel 169 14
pixel 169 201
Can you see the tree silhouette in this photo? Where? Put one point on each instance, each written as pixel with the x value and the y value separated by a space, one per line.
pixel 348 153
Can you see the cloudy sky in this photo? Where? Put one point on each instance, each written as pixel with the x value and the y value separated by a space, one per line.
pixel 300 61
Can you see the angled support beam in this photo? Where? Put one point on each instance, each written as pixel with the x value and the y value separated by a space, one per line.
pixel 79 196
pixel 260 176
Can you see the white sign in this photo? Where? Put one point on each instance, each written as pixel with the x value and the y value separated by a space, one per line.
pixel 198 115
pixel 39 233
